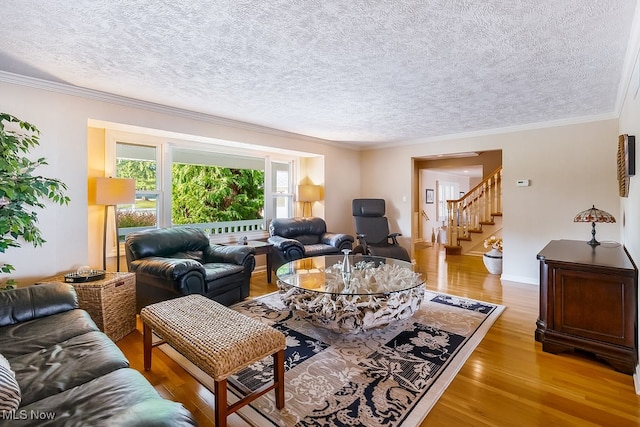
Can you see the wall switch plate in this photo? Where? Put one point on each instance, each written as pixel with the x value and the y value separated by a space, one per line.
pixel 522 183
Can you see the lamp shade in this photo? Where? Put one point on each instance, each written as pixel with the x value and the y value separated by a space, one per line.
pixel 308 193
pixel 594 214
pixel 114 191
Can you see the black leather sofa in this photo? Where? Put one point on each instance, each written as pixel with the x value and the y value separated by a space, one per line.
pixel 178 261
pixel 69 373
pixel 296 238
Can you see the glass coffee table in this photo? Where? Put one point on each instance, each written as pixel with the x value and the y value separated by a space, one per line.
pixel 350 293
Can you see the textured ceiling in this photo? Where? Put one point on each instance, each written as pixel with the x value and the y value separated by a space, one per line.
pixel 362 71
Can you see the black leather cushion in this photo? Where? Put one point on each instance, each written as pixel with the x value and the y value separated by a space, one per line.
pixel 31 302
pixel 40 334
pixel 308 239
pixel 215 271
pixel 368 207
pixel 166 268
pixel 232 254
pixel 390 251
pixel 65 365
pixel 121 398
pixel 375 229
pixel 320 249
pixel 294 227
pixel 164 242
pixel 194 255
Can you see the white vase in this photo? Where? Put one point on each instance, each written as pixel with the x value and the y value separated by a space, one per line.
pixel 493 261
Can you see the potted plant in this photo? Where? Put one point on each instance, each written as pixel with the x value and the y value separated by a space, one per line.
pixel 22 192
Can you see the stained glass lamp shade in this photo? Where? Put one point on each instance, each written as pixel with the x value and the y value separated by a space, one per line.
pixel 594 215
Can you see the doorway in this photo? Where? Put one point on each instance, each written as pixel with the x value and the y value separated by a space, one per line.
pixel 441 178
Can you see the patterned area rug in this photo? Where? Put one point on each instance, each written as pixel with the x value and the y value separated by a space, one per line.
pixel 390 376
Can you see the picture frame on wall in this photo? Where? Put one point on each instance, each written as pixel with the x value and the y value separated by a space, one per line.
pixel 430 196
pixel 626 162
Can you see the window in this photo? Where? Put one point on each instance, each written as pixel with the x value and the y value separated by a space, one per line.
pixel 446 191
pixel 217 189
pixel 282 190
pixel 139 162
pixel 209 187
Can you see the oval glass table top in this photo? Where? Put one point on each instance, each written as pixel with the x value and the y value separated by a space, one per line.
pixel 366 275
pixel 351 293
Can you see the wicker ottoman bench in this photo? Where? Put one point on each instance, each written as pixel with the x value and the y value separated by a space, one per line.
pixel 219 341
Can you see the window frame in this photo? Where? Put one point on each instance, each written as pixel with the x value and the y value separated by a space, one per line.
pixel 164 147
pixel 441 199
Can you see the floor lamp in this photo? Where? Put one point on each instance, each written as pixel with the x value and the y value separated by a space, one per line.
pixel 307 194
pixel 113 192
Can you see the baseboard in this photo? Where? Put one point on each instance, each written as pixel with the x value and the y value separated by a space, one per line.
pixel 520 279
pixel 636 379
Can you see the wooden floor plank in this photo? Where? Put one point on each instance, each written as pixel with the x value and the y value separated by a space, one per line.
pixel 507 381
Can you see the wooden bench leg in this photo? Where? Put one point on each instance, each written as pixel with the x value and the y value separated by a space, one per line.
pixel 278 378
pixel 220 391
pixel 147 345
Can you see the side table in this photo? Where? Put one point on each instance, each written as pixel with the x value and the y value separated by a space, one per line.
pixel 261 248
pixel 111 302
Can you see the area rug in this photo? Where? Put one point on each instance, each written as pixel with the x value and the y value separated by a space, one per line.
pixel 391 376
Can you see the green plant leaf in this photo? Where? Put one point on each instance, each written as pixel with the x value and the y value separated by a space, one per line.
pixel 22 189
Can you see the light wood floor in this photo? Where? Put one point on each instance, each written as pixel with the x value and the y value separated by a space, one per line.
pixel 507 381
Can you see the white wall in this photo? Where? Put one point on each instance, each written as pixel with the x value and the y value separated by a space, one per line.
pixel 429 179
pixel 630 206
pixel 63 122
pixel 570 168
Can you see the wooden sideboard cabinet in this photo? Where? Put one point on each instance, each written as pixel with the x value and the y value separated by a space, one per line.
pixel 588 301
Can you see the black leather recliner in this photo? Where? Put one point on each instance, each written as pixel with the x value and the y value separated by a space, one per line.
pixel 372 230
pixel 296 238
pixel 178 261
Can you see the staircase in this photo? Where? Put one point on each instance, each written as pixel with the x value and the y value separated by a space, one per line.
pixel 474 217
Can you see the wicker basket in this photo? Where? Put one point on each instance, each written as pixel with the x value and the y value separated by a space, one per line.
pixel 111 302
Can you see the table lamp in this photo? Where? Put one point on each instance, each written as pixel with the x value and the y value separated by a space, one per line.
pixel 594 215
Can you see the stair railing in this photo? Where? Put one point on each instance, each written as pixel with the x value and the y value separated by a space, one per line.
pixel 478 206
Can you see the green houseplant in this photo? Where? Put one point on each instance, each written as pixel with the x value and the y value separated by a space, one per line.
pixel 22 192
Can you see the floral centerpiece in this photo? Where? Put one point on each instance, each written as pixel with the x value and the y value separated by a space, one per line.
pixel 494 243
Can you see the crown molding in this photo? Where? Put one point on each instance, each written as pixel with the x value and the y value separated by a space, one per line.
pixel 67 89
pixel 96 95
pixel 498 131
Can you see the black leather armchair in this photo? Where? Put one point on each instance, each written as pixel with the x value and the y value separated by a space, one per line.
pixel 178 261
pixel 296 238
pixel 372 229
